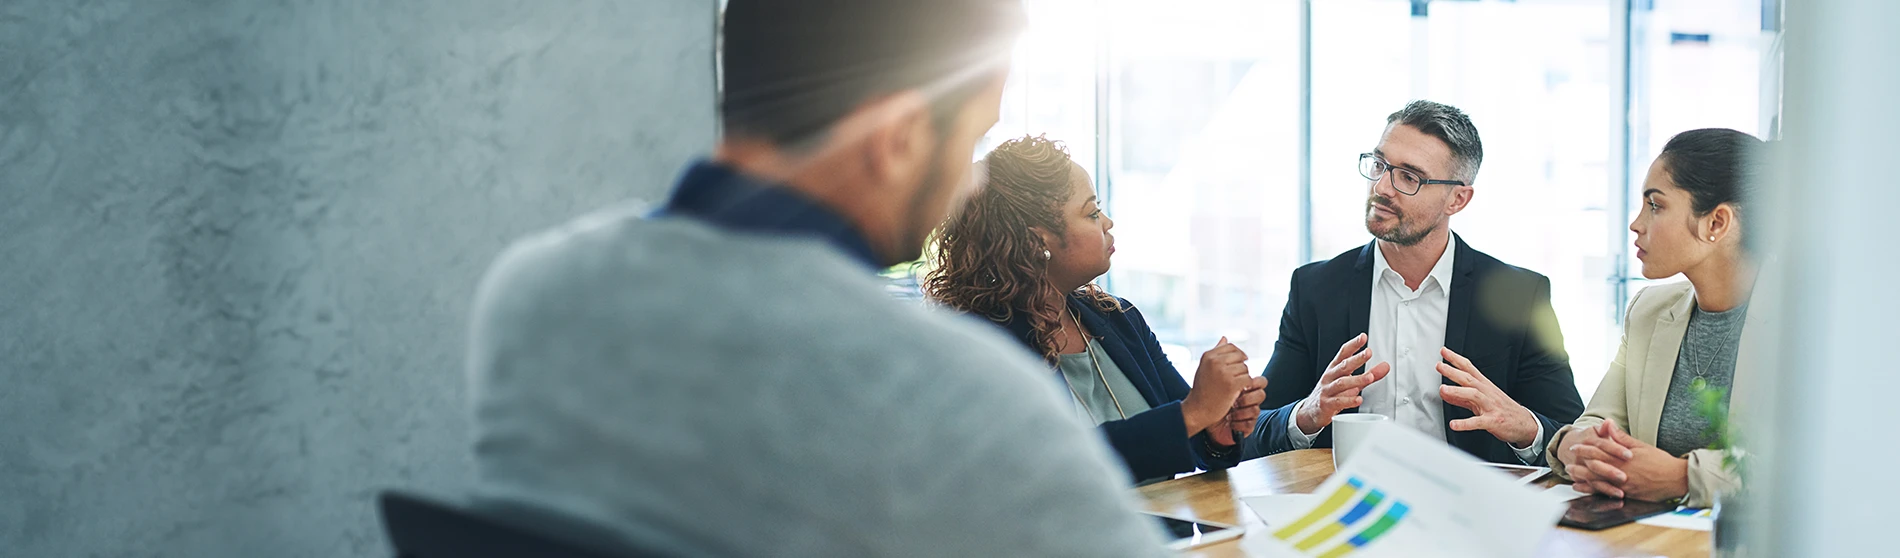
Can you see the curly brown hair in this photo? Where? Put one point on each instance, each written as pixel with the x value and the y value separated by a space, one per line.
pixel 989 261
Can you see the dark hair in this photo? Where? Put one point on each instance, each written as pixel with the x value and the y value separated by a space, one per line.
pixel 1449 125
pixel 988 260
pixel 792 68
pixel 1714 165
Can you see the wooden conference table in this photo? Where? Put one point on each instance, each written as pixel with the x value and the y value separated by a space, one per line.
pixel 1215 496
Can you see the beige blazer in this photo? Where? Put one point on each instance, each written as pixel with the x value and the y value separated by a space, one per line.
pixel 1633 390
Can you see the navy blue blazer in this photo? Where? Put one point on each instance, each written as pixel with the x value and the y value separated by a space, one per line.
pixel 1153 443
pixel 1499 317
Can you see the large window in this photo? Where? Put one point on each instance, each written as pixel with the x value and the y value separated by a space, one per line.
pixel 1535 77
pixel 1697 64
pixel 1187 113
pixel 1052 79
pixel 1204 172
pixel 1225 165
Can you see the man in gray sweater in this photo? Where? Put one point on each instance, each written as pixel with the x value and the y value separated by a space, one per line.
pixel 726 376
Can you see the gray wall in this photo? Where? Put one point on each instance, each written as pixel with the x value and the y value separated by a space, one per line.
pixel 1831 484
pixel 238 241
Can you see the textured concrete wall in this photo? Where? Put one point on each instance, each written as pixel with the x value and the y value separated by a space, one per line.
pixel 238 240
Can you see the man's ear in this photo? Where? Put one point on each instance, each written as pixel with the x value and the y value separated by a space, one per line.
pixel 1460 197
pixel 897 137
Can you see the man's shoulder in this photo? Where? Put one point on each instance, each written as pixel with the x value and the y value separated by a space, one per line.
pixel 624 251
pixel 568 240
pixel 1333 269
pixel 1486 268
pixel 759 282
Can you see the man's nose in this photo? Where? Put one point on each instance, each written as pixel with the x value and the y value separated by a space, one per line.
pixel 1386 185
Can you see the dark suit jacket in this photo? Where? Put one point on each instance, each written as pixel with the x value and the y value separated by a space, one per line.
pixel 1499 317
pixel 1153 443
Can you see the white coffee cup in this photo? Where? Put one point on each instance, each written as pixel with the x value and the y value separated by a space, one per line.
pixel 1348 430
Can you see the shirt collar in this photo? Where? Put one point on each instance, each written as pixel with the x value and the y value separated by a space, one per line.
pixel 725 198
pixel 1441 271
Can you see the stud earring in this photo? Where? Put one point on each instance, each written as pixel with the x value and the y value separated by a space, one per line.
pixel 1045 253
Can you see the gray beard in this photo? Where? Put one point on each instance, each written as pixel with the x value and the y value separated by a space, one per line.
pixel 1400 236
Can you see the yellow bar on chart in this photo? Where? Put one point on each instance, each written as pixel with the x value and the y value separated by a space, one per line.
pixel 1322 535
pixel 1339 551
pixel 1332 504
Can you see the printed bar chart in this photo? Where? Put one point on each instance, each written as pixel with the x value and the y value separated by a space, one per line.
pixel 1326 524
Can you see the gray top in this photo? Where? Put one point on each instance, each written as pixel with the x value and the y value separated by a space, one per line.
pixel 1708 351
pixel 701 392
pixel 1099 402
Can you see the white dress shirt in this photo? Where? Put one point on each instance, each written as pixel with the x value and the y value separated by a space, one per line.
pixel 1406 329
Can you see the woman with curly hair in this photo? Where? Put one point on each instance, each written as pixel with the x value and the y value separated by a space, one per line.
pixel 1023 253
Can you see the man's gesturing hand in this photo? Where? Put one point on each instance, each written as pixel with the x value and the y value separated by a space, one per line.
pixel 1338 388
pixel 1495 411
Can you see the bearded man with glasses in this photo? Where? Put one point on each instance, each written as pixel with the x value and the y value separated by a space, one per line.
pixel 1417 325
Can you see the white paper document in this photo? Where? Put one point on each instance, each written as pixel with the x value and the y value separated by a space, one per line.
pixel 1694 519
pixel 1565 492
pixel 1406 495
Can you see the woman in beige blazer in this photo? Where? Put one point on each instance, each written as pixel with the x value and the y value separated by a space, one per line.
pixel 1641 436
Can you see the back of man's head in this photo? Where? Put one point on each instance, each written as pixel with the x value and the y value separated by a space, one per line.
pixel 792 68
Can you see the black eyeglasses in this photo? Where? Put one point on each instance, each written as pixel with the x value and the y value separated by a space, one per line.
pixel 1374 167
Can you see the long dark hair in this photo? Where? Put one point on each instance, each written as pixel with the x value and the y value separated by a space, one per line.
pixel 988 259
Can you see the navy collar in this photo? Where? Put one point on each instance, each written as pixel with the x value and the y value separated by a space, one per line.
pixel 723 197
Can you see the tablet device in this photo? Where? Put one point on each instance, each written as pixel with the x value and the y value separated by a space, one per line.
pixel 1597 512
pixel 1184 534
pixel 1525 474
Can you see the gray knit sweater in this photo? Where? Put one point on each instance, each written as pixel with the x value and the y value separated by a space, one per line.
pixel 1708 351
pixel 703 392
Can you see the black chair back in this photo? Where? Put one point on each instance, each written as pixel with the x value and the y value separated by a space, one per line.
pixel 422 528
